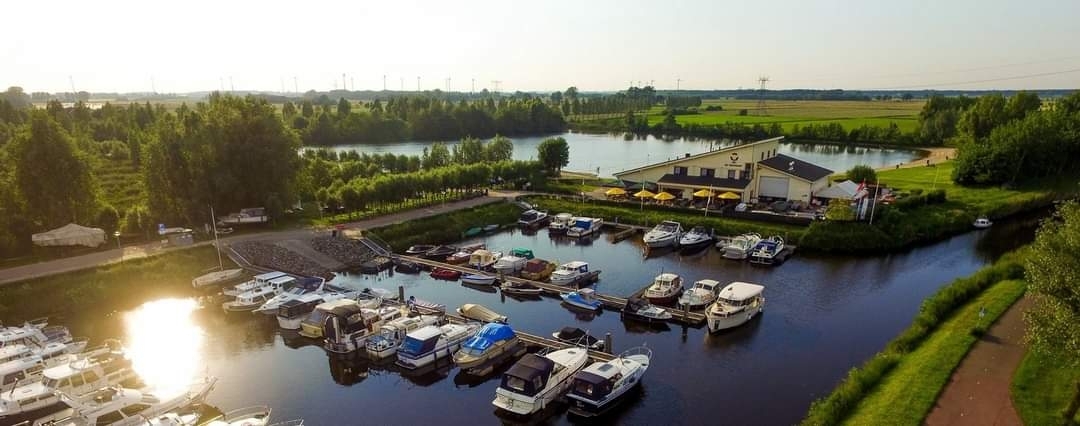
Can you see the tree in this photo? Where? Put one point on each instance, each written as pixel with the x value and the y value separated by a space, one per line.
pixel 840 210
pixel 307 109
pixel 15 96
pixel 52 175
pixel 343 108
pixel 288 110
pixel 500 148
pixel 554 154
pixel 1053 275
pixel 862 173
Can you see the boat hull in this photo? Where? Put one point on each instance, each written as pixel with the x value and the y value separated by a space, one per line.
pixel 289 323
pixel 234 306
pixel 661 242
pixel 666 299
pixel 478 280
pixel 313 331
pixel 418 361
pixel 717 323
pixel 522 291
pixel 522 405
pixel 734 253
pixel 581 305
pixel 582 407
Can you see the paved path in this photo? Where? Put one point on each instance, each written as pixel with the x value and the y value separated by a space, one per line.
pixel 978 392
pixel 93 260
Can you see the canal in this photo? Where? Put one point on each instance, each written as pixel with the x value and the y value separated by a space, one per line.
pixel 824 315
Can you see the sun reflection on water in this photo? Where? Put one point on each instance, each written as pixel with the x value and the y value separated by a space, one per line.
pixel 164 344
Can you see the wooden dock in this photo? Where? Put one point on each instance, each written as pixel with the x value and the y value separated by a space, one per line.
pixel 614 303
pixel 538 341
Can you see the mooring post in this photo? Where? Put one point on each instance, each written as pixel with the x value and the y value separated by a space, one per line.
pixel 608 346
pixel 401 293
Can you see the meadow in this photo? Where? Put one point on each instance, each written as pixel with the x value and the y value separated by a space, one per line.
pixel 849 114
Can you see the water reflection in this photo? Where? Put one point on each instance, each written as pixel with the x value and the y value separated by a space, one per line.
pixel 165 345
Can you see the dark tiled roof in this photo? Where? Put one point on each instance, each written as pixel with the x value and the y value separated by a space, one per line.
pixel 801 169
pixel 704 181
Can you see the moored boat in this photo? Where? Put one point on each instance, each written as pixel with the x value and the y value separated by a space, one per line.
pixel 584 226
pixel 570 273
pixel 736 304
pixel 418 250
pixel 432 343
pixel 510 265
pixel 600 386
pixel 439 253
pixel 664 234
pixel 445 274
pixel 665 289
pixel 641 309
pixel 533 218
pixel 767 250
pixel 982 223
pixel 392 333
pixel 305 289
pixel 472 232
pixel 216 278
pixel 478 279
pixel 491 228
pixel 578 337
pixel 534 382
pixel 697 236
pixel 520 288
pixel 483 259
pixel 406 267
pixel 290 314
pixel 584 298
pixel 560 223
pixel 261 280
pixel 701 294
pixel 537 270
pixel 738 248
pixel 491 342
pixel 35 396
pixel 347 328
pixel 480 313
pixel 119 406
pixel 312 326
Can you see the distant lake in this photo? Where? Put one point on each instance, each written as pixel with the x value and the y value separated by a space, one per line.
pixel 607 153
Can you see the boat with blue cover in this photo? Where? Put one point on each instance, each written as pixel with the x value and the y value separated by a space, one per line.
pixel 584 298
pixel 492 342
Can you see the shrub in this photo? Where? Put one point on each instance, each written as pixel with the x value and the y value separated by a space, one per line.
pixel 862 173
pixel 445 228
pixel 108 219
pixel 743 111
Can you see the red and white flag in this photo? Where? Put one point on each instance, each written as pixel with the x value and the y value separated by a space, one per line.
pixel 860 191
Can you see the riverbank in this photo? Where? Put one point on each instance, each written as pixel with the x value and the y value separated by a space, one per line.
pixel 1042 388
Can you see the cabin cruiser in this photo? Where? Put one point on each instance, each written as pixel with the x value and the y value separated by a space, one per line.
pixel 536 381
pixel 290 314
pixel 665 289
pixel 406 267
pixel 766 251
pixel 702 294
pixel 510 265
pixel 599 387
pixel 560 224
pixel 261 280
pixel 739 248
pixel 585 226
pixel 483 259
pixel 256 297
pixel 531 218
pixel 439 253
pixel 248 416
pixel 570 273
pixel 480 313
pixel 698 236
pixel 578 337
pixel 584 298
pixel 302 288
pixel 87 372
pixel 666 234
pixel 537 270
pixel 216 277
pixel 736 304
pixel 312 326
pixel 37 339
pixel 478 279
pixel 432 343
pixel 490 342
pixel 419 249
pixel 638 308
pixel 120 406
pixel 347 328
pixel 392 333
pixel 982 223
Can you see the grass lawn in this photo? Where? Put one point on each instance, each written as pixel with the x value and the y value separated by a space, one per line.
pixel 849 114
pixel 908 392
pixel 1042 387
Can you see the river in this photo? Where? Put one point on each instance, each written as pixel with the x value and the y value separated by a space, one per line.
pixel 825 314
pixel 605 154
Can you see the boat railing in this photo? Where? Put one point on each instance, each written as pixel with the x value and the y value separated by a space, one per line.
pixel 256 411
pixel 39 322
pixel 637 350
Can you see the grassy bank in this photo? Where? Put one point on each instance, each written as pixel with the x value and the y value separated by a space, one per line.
pixel 1042 388
pixel 446 228
pixel 885 373
pixel 907 393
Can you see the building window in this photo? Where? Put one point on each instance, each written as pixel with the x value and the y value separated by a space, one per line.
pixel 731 174
pixel 708 172
pixel 680 171
pixel 747 172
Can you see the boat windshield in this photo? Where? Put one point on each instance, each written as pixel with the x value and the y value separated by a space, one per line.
pixel 317 316
pixel 665 227
pixel 528 216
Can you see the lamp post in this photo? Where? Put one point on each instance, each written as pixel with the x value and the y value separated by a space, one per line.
pixel 117 235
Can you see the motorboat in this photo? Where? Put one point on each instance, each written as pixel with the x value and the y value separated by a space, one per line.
pixel 425 307
pixel 406 267
pixel 697 236
pixel 432 343
pixel 570 273
pixel 701 294
pixel 97 368
pixel 216 277
pixel 736 304
pixel 256 297
pixel 522 253
pixel 982 223
pixel 537 270
pixel 738 248
pixel 347 328
pixel 312 326
pixel 120 406
pixel 600 386
pixel 584 298
pixel 520 288
pixel 261 280
pixel 31 340
pixel 478 279
pixel 248 416
pixel 301 289
pixel 665 234
pixel 463 254
pixel 491 342
pixel 392 333
pixel 767 250
pixel 480 313
pixel 578 337
pixel 445 274
pixel 560 224
pixel 638 308
pixel 419 249
pixel 439 253
pixel 536 381
pixel 532 218
pixel 665 289
pixel 584 226
pixel 290 314
pixel 378 293
pixel 483 259
pixel 510 265
pixel 27 367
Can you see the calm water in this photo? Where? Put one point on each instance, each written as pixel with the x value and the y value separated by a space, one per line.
pixel 606 154
pixel 824 315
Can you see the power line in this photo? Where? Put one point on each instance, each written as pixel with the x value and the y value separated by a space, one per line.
pixel 920 74
pixel 988 80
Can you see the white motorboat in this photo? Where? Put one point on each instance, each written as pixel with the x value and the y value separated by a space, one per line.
pixel 306 286
pixel 697 236
pixel 701 294
pixel 347 328
pixel 570 273
pixel 584 226
pixel 510 265
pixel 536 381
pixel 766 251
pixel 600 386
pixel 638 308
pixel 290 314
pixel 483 259
pixel 432 343
pixel 665 289
pixel 92 370
pixel 739 248
pixel 736 304
pixel 391 334
pixel 520 288
pixel 492 343
pixel 578 337
pixel 126 407
pixel 665 234
pixel 257 281
pixel 478 279
pixel 249 416
pixel 216 277
pixel 38 339
pixel 532 218
pixel 480 313
pixel 258 296
pixel 561 223
pixel 982 223
pixel 312 326
pixel 584 298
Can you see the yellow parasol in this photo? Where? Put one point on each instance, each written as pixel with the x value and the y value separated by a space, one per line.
pixel 703 193
pixel 615 191
pixel 663 196
pixel 729 196
pixel 644 193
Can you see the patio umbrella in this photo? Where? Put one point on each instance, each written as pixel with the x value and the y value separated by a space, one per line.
pixel 729 196
pixel 644 193
pixel 664 196
pixel 703 193
pixel 615 191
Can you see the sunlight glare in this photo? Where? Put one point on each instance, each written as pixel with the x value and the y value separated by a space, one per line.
pixel 164 344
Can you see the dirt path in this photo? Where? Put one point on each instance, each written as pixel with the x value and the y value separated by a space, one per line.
pixel 978 392
pixel 937 155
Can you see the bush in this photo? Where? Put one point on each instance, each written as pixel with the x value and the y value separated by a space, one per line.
pixel 714 108
pixel 862 173
pixel 743 111
pixel 920 199
pixel 108 219
pixel 445 228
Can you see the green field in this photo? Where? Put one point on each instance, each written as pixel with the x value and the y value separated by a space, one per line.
pixel 1042 387
pixel 850 114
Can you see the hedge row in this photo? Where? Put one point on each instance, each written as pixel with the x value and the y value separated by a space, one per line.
pixel 446 228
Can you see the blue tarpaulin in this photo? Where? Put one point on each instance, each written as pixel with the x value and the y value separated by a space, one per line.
pixel 488 335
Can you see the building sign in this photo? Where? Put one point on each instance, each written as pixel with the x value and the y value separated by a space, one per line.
pixel 734 158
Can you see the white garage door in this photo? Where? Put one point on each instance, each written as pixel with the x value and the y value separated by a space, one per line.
pixel 774 187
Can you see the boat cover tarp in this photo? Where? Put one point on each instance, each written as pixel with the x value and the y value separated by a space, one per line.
pixel 488 335
pixel 845 190
pixel 571 333
pixel 522 252
pixel 70 235
pixel 583 224
pixel 526 370
pixel 635 304
pixel 535 265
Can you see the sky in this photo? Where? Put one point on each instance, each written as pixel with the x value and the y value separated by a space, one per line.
pixel 595 45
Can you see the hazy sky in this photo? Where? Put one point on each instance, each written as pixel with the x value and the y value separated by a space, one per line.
pixel 538 45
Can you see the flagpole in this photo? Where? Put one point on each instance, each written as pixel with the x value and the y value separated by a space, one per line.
pixel 217 246
pixel 708 202
pixel 874 202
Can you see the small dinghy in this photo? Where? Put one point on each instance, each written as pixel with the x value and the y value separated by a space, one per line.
pixel 477 279
pixel 480 313
pixel 982 223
